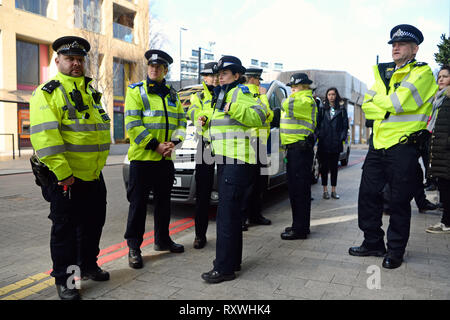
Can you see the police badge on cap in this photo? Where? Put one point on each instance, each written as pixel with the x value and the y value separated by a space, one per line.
pixel 158 57
pixel 254 73
pixel 406 33
pixel 299 78
pixel 232 63
pixel 71 46
pixel 210 68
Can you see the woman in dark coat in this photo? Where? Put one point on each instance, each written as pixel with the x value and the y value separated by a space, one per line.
pixel 332 132
pixel 439 125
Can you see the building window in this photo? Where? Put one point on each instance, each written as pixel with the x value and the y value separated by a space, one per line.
pixel 119 78
pixel 27 55
pixel 35 6
pixel 209 56
pixel 88 14
pixel 264 64
pixel 254 62
pixel 123 23
pixel 278 66
pixel 195 53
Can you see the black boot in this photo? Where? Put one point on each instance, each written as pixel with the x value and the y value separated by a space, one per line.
pixel 65 293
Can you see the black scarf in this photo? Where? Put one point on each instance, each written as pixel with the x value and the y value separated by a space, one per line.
pixel 158 88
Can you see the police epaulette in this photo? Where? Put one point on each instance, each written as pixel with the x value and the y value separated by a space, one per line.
pixel 243 88
pixel 421 64
pixel 50 86
pixel 134 85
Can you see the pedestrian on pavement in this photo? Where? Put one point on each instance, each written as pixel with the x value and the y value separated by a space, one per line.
pixel 297 126
pixel 70 132
pixel 235 113
pixel 156 123
pixel 439 125
pixel 333 127
pixel 201 105
pixel 400 104
pixel 252 212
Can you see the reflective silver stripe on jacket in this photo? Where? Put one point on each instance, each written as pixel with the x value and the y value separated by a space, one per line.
pixel 135 123
pixel 87 148
pixel 371 93
pixel 159 126
pixel 299 122
pixel 78 127
pixel 396 103
pixel 141 136
pixel 260 113
pixel 231 135
pixel 144 98
pixel 44 126
pixel 226 121
pixel 235 95
pixel 49 151
pixel 291 107
pixel 406 118
pixel 133 113
pixel 295 131
pixel 161 113
pixel 414 91
pixel 179 132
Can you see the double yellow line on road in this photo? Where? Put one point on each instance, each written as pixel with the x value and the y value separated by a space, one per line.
pixel 28 291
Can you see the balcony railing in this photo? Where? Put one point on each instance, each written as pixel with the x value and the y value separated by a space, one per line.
pixel 122 32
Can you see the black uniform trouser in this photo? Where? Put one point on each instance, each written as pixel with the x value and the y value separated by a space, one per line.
pixel 204 180
pixel 233 180
pixel 396 166
pixel 419 194
pixel 77 225
pixel 299 166
pixel 254 194
pixel 144 177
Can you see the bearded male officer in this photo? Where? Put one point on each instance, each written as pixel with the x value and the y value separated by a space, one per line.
pixel 70 132
pixel 400 104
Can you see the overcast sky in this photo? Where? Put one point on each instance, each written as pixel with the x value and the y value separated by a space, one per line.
pixel 344 35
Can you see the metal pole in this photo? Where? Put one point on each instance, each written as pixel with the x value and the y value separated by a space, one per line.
pixel 180 58
pixel 14 148
pixel 199 63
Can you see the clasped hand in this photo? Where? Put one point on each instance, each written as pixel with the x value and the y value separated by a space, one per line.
pixel 165 148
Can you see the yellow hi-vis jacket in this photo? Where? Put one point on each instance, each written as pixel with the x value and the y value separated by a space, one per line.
pixel 261 99
pixel 401 105
pixel 298 117
pixel 201 105
pixel 230 131
pixel 148 116
pixel 69 142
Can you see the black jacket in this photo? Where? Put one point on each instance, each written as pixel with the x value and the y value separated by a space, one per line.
pixel 332 131
pixel 440 143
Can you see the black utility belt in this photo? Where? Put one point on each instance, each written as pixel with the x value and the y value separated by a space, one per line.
pixel 301 145
pixel 416 138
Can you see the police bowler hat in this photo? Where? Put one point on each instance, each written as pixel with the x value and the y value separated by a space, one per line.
pixel 299 78
pixel 254 73
pixel 71 46
pixel 231 63
pixel 158 57
pixel 209 69
pixel 406 33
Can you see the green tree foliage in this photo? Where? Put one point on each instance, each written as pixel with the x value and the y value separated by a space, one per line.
pixel 443 56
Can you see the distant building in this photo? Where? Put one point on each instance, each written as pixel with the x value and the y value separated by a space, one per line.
pixel 117 30
pixel 189 64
